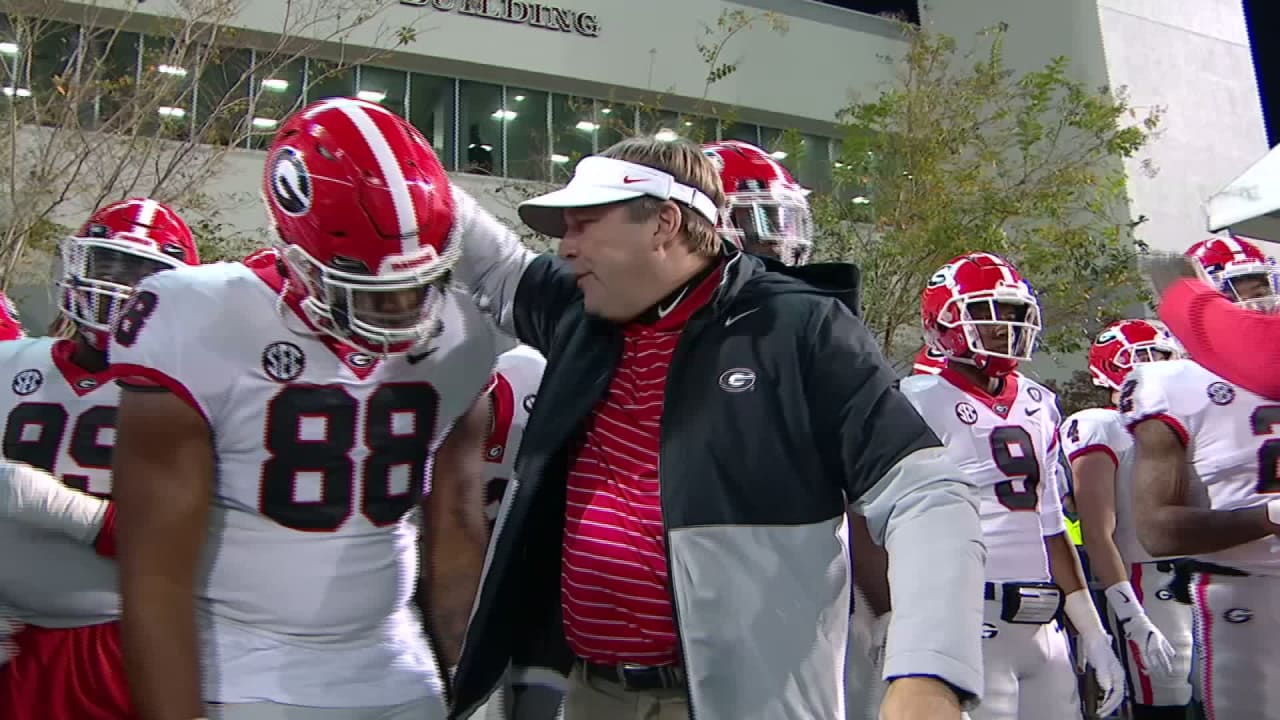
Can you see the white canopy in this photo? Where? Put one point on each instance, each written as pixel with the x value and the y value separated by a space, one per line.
pixel 1250 205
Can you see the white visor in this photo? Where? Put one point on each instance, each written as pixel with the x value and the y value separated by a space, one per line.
pixel 603 181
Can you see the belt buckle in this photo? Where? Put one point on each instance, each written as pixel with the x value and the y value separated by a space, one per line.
pixel 624 670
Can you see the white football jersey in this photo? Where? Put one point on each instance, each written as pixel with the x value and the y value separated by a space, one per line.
pixel 1007 444
pixel 1104 430
pixel 1233 444
pixel 515 387
pixel 322 450
pixel 60 418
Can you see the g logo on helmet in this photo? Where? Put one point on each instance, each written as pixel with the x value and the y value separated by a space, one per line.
pixel 1106 337
pixel 290 183
pixel 945 276
pixel 715 159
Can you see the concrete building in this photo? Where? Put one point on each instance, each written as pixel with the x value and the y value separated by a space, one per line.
pixel 515 90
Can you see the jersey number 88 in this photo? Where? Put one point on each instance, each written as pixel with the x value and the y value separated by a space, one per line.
pixel 313 429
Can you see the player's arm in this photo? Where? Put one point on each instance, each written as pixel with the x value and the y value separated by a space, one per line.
pixel 526 293
pixel 1095 497
pixel 1166 525
pixel 1224 337
pixel 1064 561
pixel 456 531
pixel 162 481
pixel 870 565
pixel 918 506
pixel 36 498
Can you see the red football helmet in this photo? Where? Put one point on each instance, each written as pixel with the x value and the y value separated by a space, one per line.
pixel 928 362
pixel 364 220
pixel 1239 270
pixel 979 294
pixel 118 246
pixel 10 324
pixel 767 213
pixel 1126 343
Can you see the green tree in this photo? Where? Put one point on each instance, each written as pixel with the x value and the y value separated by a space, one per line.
pixel 963 154
pixel 1078 393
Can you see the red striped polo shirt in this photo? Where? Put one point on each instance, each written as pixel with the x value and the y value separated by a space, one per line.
pixel 614 588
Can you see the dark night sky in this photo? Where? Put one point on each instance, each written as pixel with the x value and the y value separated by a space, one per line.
pixel 1262 16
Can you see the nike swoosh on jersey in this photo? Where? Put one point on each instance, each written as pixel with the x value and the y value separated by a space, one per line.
pixel 1032 411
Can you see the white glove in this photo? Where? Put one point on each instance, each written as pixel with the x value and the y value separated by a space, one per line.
pixel 36 498
pixel 1156 652
pixel 1095 645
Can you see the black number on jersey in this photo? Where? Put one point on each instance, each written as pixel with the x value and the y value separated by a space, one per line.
pixel 34 431
pixel 1125 402
pixel 311 431
pixel 134 316
pixel 1021 467
pixel 1073 431
pixel 1264 420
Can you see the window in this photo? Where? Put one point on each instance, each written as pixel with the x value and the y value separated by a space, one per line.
pixel 617 122
pixel 699 129
pixel 783 146
pixel 815 163
pixel 528 148
pixel 53 59
pixel 277 88
pixel 166 85
pixel 741 131
pixel 480 120
pixel 661 124
pixel 431 111
pixel 10 47
pixel 113 58
pixel 573 128
pixel 908 10
pixel 222 97
pixel 383 86
pixel 329 79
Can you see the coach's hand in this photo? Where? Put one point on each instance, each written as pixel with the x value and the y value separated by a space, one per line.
pixel 920 698
pixel 1165 269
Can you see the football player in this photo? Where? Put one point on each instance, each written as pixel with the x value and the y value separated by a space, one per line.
pixel 276 428
pixel 768 212
pixel 59 417
pixel 10 323
pixel 1207 486
pixel 1001 428
pixel 528 692
pixel 1100 449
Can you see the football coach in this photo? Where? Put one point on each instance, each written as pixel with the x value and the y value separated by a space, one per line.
pixel 675 543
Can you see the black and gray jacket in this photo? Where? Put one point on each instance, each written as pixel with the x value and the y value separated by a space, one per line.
pixel 779 411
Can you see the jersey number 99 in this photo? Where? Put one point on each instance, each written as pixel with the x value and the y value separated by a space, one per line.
pixel 311 431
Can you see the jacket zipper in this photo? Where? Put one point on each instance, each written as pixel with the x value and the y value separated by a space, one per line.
pixel 695 323
pixel 666 536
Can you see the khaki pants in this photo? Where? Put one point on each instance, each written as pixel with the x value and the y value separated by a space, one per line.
pixel 594 699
